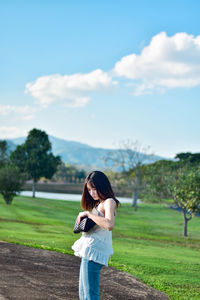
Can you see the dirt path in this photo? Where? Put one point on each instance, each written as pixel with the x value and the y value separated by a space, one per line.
pixel 30 274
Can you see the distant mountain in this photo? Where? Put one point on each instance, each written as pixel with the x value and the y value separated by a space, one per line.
pixel 76 153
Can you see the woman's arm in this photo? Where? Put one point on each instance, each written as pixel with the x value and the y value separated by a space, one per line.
pixel 106 222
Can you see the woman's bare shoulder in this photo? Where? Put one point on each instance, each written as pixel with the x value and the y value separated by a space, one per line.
pixel 110 201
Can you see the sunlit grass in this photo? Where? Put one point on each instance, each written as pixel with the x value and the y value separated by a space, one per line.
pixel 147 243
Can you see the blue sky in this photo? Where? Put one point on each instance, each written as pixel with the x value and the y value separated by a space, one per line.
pixel 100 72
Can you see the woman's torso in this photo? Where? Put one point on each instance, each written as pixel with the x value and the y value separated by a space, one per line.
pixel 95 244
pixel 97 231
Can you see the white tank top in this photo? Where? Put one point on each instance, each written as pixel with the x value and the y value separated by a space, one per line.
pixel 96 244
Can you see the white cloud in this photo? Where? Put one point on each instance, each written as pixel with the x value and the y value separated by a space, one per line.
pixel 167 62
pixel 11 132
pixel 24 112
pixel 72 90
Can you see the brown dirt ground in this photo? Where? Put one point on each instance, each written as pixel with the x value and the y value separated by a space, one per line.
pixel 30 274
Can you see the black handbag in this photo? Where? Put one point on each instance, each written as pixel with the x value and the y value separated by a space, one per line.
pixel 85 225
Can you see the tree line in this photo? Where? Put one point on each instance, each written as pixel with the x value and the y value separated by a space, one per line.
pixel 31 161
pixel 150 180
pixel 158 181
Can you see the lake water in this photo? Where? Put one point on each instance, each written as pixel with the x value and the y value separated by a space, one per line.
pixel 66 197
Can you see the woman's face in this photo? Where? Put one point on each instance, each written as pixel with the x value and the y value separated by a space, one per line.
pixel 93 192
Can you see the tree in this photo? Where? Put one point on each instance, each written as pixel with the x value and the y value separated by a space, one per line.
pixel 129 159
pixel 183 155
pixel 158 179
pixel 11 182
pixel 4 156
pixel 186 194
pixel 189 158
pixel 19 157
pixel 160 176
pixel 176 180
pixel 35 158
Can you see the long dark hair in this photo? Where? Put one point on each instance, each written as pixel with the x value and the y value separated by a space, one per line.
pixel 101 183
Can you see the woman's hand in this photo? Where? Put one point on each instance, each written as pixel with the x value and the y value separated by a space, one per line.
pixel 80 215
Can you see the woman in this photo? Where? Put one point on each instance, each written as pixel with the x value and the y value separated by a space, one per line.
pixel 95 247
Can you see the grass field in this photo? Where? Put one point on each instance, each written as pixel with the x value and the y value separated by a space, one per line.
pixel 147 243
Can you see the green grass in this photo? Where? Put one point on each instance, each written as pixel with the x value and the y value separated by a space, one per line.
pixel 147 243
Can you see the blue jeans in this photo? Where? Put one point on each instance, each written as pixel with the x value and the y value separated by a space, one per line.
pixel 89 278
